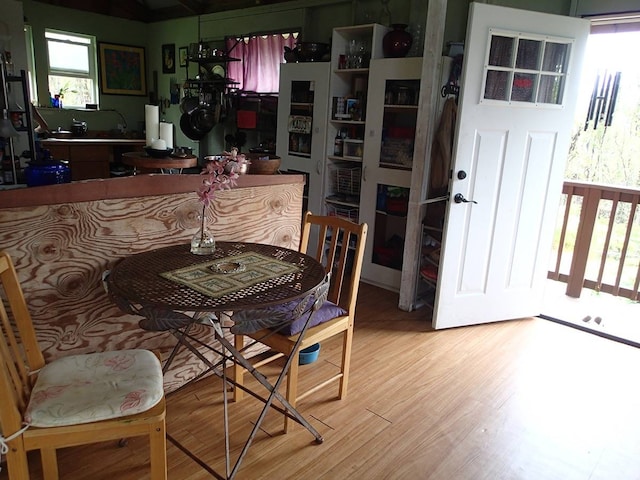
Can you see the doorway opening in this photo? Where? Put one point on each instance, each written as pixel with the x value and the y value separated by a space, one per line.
pixel 605 151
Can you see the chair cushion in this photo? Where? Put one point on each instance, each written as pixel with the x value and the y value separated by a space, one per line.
pixel 326 312
pixel 98 386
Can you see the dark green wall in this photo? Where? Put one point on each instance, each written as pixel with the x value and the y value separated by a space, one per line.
pixel 317 18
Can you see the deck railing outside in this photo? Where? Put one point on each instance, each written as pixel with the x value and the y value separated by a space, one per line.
pixel 597 243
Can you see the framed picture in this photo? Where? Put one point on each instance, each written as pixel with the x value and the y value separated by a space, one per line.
pixel 122 69
pixel 182 52
pixel 354 109
pixel 169 58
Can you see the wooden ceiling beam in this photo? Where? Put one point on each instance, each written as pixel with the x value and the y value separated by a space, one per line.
pixel 193 6
pixel 114 8
pixel 140 11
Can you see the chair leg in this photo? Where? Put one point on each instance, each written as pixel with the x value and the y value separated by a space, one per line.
pixel 18 464
pixel 49 463
pixel 346 363
pixel 238 370
pixel 292 387
pixel 158 451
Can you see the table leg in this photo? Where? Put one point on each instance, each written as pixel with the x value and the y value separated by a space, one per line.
pixel 273 389
pixel 236 356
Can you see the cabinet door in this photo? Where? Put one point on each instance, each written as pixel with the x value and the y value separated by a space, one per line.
pixel 58 152
pixel 392 110
pixel 89 161
pixel 301 136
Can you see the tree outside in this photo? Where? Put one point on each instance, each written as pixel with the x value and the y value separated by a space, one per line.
pixel 607 154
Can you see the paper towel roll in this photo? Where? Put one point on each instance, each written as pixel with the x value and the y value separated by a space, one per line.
pixel 166 133
pixel 151 123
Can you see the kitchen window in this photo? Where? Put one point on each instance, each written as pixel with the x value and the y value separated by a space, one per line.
pixel 261 56
pixel 73 69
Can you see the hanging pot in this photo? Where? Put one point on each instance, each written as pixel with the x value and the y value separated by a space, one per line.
pixel 203 118
pixel 188 130
pixel 189 104
pixel 197 123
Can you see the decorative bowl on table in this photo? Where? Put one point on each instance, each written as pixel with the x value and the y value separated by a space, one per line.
pixel 263 164
pixel 155 153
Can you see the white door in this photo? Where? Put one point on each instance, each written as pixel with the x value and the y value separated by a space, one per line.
pixel 518 94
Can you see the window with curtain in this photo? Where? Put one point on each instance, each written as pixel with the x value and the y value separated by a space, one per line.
pixel 260 57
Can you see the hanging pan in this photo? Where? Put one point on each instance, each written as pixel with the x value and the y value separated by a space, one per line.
pixel 188 130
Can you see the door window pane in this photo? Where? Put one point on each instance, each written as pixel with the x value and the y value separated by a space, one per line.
pixel 501 51
pixel 496 86
pixel 523 87
pixel 551 89
pixel 556 56
pixel 528 54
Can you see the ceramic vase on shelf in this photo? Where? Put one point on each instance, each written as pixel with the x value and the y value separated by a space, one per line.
pixel 203 242
pixel 397 42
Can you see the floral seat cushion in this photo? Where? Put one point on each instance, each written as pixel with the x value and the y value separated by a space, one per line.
pixel 99 386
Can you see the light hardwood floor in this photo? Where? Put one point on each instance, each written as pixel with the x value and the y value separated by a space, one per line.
pixel 526 399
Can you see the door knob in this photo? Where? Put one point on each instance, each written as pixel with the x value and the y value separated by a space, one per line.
pixel 459 198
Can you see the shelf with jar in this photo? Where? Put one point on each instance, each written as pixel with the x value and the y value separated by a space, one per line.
pixel 392 112
pixel 353 49
pixel 348 144
pixel 17 135
pixel 400 113
pixel 430 249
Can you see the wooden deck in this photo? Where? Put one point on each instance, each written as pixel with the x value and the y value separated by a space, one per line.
pixel 526 399
pixel 596 312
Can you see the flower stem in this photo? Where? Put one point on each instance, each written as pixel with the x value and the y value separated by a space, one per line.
pixel 202 224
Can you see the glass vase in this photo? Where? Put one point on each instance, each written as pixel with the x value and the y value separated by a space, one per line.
pixel 203 242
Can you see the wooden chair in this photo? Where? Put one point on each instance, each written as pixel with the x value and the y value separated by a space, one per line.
pixel 45 407
pixel 344 265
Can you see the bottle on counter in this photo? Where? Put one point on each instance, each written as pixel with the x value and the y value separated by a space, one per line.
pixel 338 144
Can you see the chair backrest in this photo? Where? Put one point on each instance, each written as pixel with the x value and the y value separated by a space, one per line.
pixel 20 354
pixel 344 264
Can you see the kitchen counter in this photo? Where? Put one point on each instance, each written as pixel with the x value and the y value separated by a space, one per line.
pixel 91 157
pixel 128 187
pixel 92 141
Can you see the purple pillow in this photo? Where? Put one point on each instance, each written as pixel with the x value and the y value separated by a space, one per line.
pixel 326 312
pixel 285 318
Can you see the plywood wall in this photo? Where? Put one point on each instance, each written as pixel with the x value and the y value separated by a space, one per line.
pixel 61 251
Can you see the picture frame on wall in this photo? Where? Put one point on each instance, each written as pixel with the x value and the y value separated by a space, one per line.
pixel 122 69
pixel 182 55
pixel 169 58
